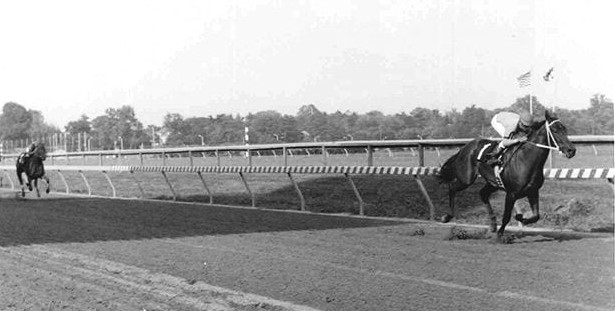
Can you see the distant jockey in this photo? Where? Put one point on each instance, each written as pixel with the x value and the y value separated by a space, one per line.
pixel 27 153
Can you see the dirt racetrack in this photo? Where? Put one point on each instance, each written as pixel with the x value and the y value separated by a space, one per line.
pixel 61 253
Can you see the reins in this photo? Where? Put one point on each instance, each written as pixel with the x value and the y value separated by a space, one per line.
pixel 550 138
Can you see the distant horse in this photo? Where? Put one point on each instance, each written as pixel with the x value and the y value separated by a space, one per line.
pixel 521 175
pixel 34 169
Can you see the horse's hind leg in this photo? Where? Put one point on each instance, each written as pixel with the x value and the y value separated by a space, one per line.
pixel 453 188
pixel 46 181
pixel 451 204
pixel 485 193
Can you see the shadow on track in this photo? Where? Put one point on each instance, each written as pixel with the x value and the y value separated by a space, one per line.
pixel 555 236
pixel 63 220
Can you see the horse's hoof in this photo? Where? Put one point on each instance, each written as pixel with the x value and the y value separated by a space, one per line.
pixel 504 239
pixel 519 217
pixel 446 218
pixel 530 220
pixel 47 191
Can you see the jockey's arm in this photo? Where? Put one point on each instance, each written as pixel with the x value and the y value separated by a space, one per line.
pixel 509 142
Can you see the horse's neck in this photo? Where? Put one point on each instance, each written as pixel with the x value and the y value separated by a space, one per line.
pixel 540 154
pixel 539 136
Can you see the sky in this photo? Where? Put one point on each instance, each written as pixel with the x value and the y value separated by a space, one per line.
pixel 70 58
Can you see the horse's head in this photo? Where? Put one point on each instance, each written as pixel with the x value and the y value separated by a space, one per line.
pixel 40 151
pixel 557 135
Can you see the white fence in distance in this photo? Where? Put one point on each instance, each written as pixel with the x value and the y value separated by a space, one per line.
pixel 285 150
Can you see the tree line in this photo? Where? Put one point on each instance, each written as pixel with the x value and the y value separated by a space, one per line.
pixel 120 128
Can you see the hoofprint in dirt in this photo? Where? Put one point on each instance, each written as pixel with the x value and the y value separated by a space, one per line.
pixel 101 254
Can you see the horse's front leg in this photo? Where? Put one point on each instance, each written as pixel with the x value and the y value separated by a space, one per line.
pixel 509 204
pixel 533 199
pixel 38 193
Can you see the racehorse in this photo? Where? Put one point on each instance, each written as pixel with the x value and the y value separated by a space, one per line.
pixel 521 170
pixel 34 169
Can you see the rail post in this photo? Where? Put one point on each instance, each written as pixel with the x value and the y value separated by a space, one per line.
pixel 324 155
pixel 370 156
pixel 10 180
pixel 138 183
pixel 190 156
pixel 85 180
pixel 245 183
pixel 432 208
pixel 211 198
pixel 298 190
pixel 64 181
pixel 170 186
pixel 114 193
pixel 421 155
pixel 357 194
pixel 285 153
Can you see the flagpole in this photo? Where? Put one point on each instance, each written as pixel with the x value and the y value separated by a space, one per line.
pixel 554 98
pixel 531 88
pixel 531 104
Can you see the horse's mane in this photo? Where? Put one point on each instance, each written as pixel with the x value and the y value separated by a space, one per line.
pixel 535 127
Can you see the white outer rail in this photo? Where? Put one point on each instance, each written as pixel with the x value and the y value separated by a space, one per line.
pixel 416 172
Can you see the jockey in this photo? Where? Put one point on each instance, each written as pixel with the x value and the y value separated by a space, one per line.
pixel 513 128
pixel 27 153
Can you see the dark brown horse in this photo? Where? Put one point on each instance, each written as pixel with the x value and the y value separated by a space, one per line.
pixel 522 174
pixel 34 169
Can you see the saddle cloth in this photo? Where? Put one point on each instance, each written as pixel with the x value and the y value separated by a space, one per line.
pixel 485 147
pixel 21 156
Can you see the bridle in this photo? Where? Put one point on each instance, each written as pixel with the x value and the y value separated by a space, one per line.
pixel 550 137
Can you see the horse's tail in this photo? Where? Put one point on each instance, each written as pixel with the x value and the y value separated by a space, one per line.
pixel 447 171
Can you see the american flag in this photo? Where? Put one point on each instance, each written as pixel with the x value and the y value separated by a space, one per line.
pixel 525 79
